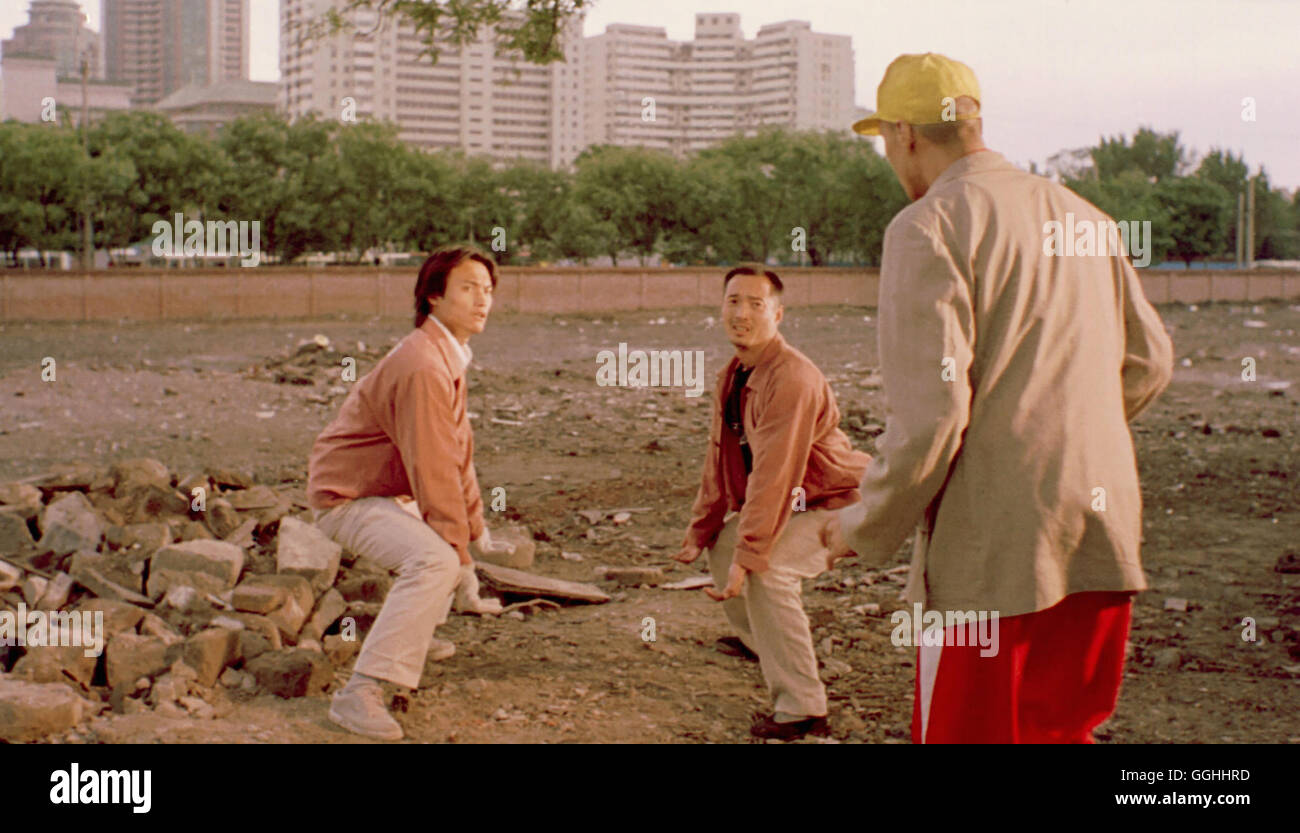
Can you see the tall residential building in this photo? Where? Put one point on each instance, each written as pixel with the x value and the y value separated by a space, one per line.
pixel 56 29
pixel 644 89
pixel 159 46
pixel 471 99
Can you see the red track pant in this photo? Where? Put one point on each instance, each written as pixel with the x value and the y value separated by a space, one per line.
pixel 1054 678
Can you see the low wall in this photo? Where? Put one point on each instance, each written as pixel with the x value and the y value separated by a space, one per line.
pixel 169 294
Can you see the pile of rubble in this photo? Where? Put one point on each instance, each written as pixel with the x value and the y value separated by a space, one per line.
pixel 319 362
pixel 209 588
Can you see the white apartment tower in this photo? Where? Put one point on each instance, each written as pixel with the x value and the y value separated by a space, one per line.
pixel 471 99
pixel 644 89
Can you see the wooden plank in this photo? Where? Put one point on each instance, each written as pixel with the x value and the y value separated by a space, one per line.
pixel 508 580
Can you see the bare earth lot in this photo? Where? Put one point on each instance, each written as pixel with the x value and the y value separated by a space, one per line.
pixel 1220 462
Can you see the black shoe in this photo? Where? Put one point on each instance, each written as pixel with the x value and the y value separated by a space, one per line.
pixel 766 727
pixel 733 647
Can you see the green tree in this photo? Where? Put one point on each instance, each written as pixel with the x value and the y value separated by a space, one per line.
pixel 1198 212
pixel 1156 155
pixel 44 174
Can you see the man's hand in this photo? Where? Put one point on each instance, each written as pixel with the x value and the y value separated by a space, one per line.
pixel 687 554
pixel 832 538
pixel 467 599
pixel 735 584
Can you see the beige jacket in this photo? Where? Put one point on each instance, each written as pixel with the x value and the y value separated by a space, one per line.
pixel 1010 377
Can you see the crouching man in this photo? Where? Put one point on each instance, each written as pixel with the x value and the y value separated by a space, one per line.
pixel 403 433
pixel 776 455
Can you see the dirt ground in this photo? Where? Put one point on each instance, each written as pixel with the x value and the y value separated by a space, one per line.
pixel 1219 458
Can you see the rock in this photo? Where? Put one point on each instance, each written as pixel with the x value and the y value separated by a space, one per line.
pixel 232 678
pixel 29 710
pixel 33 587
pixel 221 517
pixel 124 572
pixel 208 652
pixel 14 534
pixel 292 672
pixel 228 622
pixel 148 537
pixel 261 625
pixel 821 617
pixel 328 610
pixel 118 616
pixel 289 618
pixel 242 535
pixel 256 497
pixel 258 598
pixel 191 530
pixel 138 473
pixel 632 576
pixel 148 503
pixel 196 707
pixel 22 499
pixel 372 587
pixel 56 593
pixel 105 589
pixel 1176 604
pixel 70 523
pixel 339 650
pixel 132 656
pixel 210 566
pixel 167 689
pixel 151 625
pixel 302 549
pixel 252 644
pixel 56 663
pixel 834 669
pixel 869 609
pixel 297 587
pixel 1167 659
pixel 181 597
pixel 11 576
pixel 232 478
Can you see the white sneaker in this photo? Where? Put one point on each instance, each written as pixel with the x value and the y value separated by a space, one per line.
pixel 359 708
pixel 441 649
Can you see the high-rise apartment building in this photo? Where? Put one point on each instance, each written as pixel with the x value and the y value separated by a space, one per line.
pixel 471 98
pixel 159 46
pixel 57 29
pixel 644 89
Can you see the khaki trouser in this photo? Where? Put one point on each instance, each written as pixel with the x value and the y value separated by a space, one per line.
pixel 768 615
pixel 427 570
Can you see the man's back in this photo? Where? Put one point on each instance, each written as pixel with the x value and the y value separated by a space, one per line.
pixel 1042 498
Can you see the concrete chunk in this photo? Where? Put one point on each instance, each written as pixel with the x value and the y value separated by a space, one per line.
pixel 132 656
pixel 302 549
pixel 208 652
pixel 328 610
pixel 70 523
pixel 210 566
pixel 258 598
pixel 29 710
pixel 14 534
pixel 292 672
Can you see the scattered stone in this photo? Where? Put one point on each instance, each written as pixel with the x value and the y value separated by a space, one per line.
pixel 55 662
pixel 221 517
pixel 302 549
pixel 631 576
pixel 96 573
pixel 289 618
pixel 56 593
pixel 196 707
pixel 370 587
pixel 253 644
pixel 14 534
pixel 29 710
pixel 833 669
pixel 821 617
pixel 11 576
pixel 70 523
pixel 210 651
pixel 297 587
pixel 232 478
pixel 33 587
pixel 142 472
pixel 210 566
pixel 118 616
pixel 21 498
pixel 148 537
pixel 1176 604
pixel 181 597
pixel 1167 659
pixel 523 552
pixel 339 650
pixel 148 503
pixel 262 626
pixel 328 610
pixel 151 625
pixel 258 598
pixel 256 497
pixel 691 583
pixel 292 672
pixel 132 656
pixel 242 536
pixel 869 609
pixel 571 556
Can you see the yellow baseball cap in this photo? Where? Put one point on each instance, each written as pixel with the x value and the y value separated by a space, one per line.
pixel 914 88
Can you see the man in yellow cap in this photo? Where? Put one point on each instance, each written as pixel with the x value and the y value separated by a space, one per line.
pixel 1010 375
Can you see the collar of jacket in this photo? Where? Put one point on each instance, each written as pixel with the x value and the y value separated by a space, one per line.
pixel 774 348
pixel 980 160
pixel 445 349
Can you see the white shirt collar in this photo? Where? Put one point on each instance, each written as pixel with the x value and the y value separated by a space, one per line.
pixel 462 350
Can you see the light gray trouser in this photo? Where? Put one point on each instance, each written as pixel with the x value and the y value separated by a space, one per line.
pixel 768 615
pixel 427 567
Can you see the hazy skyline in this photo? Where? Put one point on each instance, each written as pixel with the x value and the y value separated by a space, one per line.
pixel 1055 75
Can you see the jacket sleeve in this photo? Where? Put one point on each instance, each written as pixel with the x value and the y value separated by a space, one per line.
pixel 781 442
pixel 1148 351
pixel 926 337
pixel 470 489
pixel 425 433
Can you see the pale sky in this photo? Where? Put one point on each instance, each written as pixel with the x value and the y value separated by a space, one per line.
pixel 1054 74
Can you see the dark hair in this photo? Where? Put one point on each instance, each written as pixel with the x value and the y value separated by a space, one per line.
pixel 432 280
pixel 755 269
